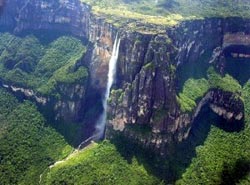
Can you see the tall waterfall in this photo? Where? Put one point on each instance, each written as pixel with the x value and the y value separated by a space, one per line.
pixel 100 127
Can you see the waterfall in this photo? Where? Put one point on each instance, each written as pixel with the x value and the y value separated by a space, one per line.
pixel 100 126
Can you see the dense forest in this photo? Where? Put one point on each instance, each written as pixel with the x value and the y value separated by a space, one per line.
pixel 28 144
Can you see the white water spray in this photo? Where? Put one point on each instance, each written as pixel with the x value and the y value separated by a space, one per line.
pixel 100 126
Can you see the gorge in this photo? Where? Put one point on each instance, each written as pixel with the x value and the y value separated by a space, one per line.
pixel 162 91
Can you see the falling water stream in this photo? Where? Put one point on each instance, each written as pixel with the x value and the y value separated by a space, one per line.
pixel 101 122
pixel 100 126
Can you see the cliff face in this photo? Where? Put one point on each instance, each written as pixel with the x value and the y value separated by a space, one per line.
pixel 66 16
pixel 152 68
pixel 161 64
pixel 145 68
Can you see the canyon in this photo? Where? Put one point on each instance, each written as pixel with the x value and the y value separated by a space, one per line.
pixel 152 69
pixel 149 73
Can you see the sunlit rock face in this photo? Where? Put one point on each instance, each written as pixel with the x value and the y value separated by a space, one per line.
pixel 236 45
pixel 238 38
pixel 99 53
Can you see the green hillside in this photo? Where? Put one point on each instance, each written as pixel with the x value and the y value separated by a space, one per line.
pixel 224 158
pixel 25 61
pixel 28 146
pixel 99 164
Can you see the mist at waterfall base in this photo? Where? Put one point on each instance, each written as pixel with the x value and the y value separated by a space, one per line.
pixel 100 126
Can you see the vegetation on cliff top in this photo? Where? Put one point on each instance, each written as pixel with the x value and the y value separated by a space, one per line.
pixel 166 12
pixel 26 62
pixel 194 89
pixel 27 145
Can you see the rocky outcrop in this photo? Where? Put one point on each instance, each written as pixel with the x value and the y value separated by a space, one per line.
pixel 147 80
pixel 236 45
pixel 227 104
pixel 63 109
pixel 29 93
pixel 239 38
